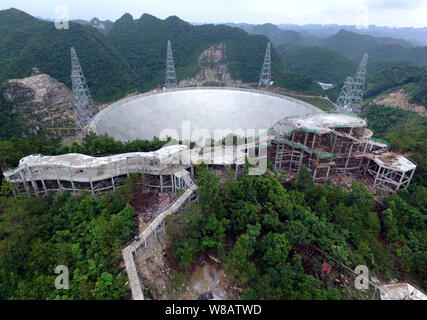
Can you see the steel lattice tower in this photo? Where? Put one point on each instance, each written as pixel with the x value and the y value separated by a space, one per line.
pixel 351 96
pixel 346 94
pixel 170 69
pixel 83 100
pixel 266 68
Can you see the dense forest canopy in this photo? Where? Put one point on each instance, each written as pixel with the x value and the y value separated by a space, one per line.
pixel 319 63
pixel 385 76
pixel 27 42
pixel 405 136
pixel 354 45
pixel 143 43
pixel 393 76
pixel 132 55
pixel 256 226
pixel 84 234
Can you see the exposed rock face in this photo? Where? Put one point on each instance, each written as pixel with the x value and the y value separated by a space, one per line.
pixel 103 26
pixel 213 69
pixel 42 102
pixel 400 99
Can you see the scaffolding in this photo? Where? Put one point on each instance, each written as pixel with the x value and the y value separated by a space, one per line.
pixel 326 143
pixel 389 171
pixel 168 169
pixel 337 144
pixel 38 175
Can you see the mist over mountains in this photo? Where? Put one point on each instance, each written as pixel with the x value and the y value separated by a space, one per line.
pixel 417 36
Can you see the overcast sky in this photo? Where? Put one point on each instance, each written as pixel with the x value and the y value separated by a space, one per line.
pixel 354 12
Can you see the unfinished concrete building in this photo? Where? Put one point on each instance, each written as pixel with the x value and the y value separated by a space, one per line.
pixel 37 174
pixel 337 144
pixel 168 169
pixel 328 144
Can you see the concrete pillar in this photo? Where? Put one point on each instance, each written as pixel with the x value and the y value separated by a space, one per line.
pixel 42 179
pixel 327 174
pixel 361 159
pixel 335 144
pixel 71 179
pixel 57 178
pixel 127 167
pixel 348 159
pixel 112 181
pixel 306 139
pixel 33 183
pixel 15 194
pixel 164 227
pixel 314 141
pixel 400 182
pixel 292 158
pixel 376 177
pixel 410 178
pixel 91 187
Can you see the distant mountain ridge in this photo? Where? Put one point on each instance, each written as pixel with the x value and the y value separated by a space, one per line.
pixel 320 63
pixel 354 45
pixel 27 42
pixel 131 56
pixel 351 44
pixel 417 36
pixel 278 36
pixel 143 42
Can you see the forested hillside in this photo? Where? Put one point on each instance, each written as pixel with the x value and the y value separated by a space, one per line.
pixel 254 224
pixel 351 44
pixel 393 76
pixel 259 228
pixel 415 35
pixel 389 75
pixel 132 56
pixel 354 45
pixel 27 42
pixel 84 234
pixel 390 123
pixel 275 34
pixel 143 43
pixel 319 63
